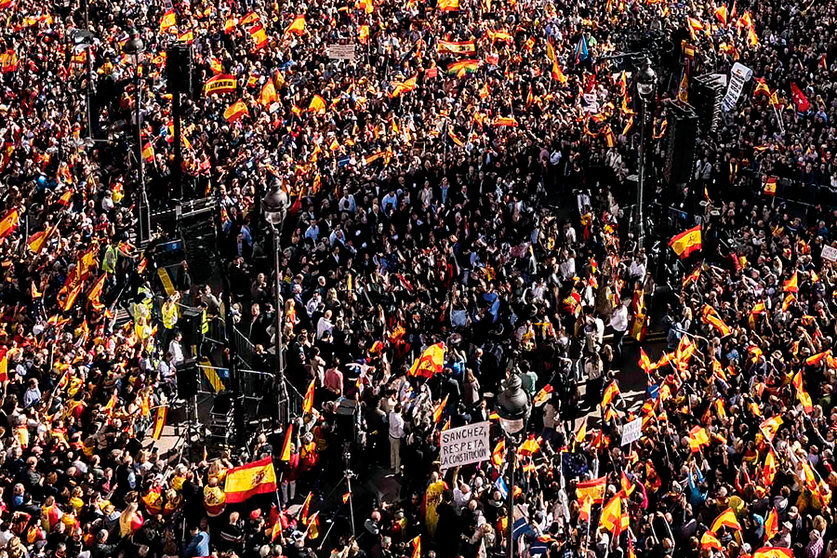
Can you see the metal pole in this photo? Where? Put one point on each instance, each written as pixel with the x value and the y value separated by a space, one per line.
pixel 351 506
pixel 144 217
pixel 510 519
pixel 282 391
pixel 177 166
pixel 640 190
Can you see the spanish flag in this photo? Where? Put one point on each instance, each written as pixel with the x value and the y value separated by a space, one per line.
pixel 9 223
pixel 711 317
pixel 235 111
pixel 773 552
pixel 268 95
pixel 448 5
pixel 148 152
pixel 791 285
pixel 403 86
pixel 303 512
pixel 440 408
pixel 770 186
pixel 222 83
pixel 721 14
pixel 509 121
pixel 726 519
pixel 686 242
pixel 708 540
pixel 543 395
pixel 585 509
pixel 159 421
pixel 8 61
pixel 286 444
pixel 39 239
pixel 308 402
pixel 363 34
pixel 611 518
pixel 317 105
pixel 314 526
pixel 168 21
pixel 610 393
pixel 645 362
pixel 297 26
pixel 416 547
pixel 582 432
pixel 771 525
pixel 251 479
pixel 531 446
pixel 4 365
pixel 496 455
pixel 594 489
pixel 249 17
pixel 257 33
pixel 814 360
pixel 460 47
pixel 698 438
pixel 431 361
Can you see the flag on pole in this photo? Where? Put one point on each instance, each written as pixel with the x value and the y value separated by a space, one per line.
pixel 686 242
pixel 308 402
pixel 726 519
pixel 248 480
pixel 581 52
pixel 286 445
pixel 159 421
pixel 431 361
pixel 799 99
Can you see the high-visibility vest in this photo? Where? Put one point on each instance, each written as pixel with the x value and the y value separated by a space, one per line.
pixel 204 323
pixel 109 261
pixel 169 315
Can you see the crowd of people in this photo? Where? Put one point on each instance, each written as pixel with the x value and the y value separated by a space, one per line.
pixel 459 188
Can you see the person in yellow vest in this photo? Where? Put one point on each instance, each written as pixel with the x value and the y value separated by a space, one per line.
pixel 169 312
pixel 214 499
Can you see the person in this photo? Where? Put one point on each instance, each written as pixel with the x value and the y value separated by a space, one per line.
pixel 396 435
pixel 199 543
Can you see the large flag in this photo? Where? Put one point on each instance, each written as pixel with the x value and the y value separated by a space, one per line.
pixel 581 52
pixel 611 518
pixel 463 67
pixel 9 223
pixel 39 239
pixel 258 35
pixel 799 98
pixel 235 111
pixel 770 427
pixel 792 284
pixel 431 361
pixel 317 105
pixel 460 47
pixel 698 438
pixel 286 444
pixel 683 90
pixel 416 547
pixel 251 479
pixel 768 472
pixel 773 552
pixel 160 421
pixel 686 242
pixel 726 519
pixel 308 402
pixel 594 489
pixel 708 540
pixel 222 83
pixel 771 525
pixel 297 26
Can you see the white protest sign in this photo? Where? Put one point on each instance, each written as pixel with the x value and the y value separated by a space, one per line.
pixel 829 253
pixel 738 77
pixel 591 102
pixel 341 52
pixel 464 445
pixel 632 431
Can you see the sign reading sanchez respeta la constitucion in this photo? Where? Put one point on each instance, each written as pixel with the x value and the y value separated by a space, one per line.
pixel 464 445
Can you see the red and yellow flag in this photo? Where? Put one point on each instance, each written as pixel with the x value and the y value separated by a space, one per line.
pixel 594 489
pixel 9 223
pixel 297 27
pixel 771 525
pixel 686 242
pixel 159 421
pixel 168 21
pixel 610 393
pixel 235 111
pixel 726 519
pixel 773 552
pixel 708 540
pixel 431 361
pixel 770 427
pixel 268 95
pixel 286 444
pixel 416 547
pixel 248 480
pixel 222 83
pixel 317 105
pixel 768 471
pixel 308 402
pixel 611 518
pixel 698 438
pixel 440 408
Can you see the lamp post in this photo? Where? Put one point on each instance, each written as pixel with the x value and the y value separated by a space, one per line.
pixel 275 205
pixel 134 48
pixel 646 87
pixel 513 407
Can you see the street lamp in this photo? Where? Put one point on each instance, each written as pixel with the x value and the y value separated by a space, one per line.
pixel 134 48
pixel 275 205
pixel 646 87
pixel 513 408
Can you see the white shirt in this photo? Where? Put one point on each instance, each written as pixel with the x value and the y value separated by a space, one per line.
pixel 177 352
pixel 396 425
pixel 619 319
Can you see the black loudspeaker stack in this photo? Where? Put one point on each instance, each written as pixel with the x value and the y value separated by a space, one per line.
pixel 682 140
pixel 190 326
pixel 187 378
pixel 179 69
pixel 706 93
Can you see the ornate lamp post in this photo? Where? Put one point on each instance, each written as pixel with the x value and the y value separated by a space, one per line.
pixel 513 407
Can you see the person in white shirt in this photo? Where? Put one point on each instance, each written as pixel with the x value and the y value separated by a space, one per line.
pixel 619 323
pixel 176 349
pixel 396 434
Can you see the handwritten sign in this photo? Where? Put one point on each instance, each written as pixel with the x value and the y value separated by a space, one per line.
pixel 464 445
pixel 341 52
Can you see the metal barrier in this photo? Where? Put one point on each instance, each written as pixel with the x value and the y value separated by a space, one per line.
pixel 255 385
pixel 245 348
